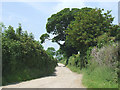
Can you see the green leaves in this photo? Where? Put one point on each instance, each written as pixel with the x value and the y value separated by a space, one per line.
pixel 57 25
pixel 19 30
pixel 10 33
pixel 20 52
pixel 87 26
pixel 50 51
pixel 43 37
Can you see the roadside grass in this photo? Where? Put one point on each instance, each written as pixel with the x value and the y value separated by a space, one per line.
pixel 100 77
pixel 74 69
pixel 62 61
pixel 95 76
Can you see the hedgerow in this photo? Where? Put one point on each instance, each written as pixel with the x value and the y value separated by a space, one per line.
pixel 23 58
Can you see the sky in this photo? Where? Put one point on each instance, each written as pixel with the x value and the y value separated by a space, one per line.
pixel 33 14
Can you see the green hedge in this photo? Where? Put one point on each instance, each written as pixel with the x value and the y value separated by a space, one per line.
pixel 23 58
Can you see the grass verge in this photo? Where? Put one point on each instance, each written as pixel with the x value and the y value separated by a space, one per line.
pixel 74 69
pixel 100 77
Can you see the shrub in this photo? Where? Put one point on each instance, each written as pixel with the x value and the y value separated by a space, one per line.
pixel 106 56
pixel 24 58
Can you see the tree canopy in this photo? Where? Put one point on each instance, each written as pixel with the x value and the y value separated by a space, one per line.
pixel 57 24
pixel 79 29
pixel 88 26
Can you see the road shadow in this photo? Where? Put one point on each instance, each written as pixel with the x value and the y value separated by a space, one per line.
pixel 12 83
pixel 49 75
pixel 53 74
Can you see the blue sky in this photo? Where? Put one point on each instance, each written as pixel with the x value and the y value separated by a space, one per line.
pixel 33 15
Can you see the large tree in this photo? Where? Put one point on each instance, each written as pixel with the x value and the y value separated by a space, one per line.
pixel 57 24
pixel 87 27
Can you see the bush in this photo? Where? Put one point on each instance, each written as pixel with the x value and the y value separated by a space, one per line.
pixel 24 58
pixel 106 55
pixel 102 65
pixel 63 61
pixel 103 68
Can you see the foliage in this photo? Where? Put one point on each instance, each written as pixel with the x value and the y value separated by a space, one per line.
pixel 23 58
pixel 103 60
pixel 50 51
pixel 90 28
pixel 43 37
pixel 83 32
pixel 68 49
pixel 56 25
pixel 63 61
pixel 74 69
pixel 100 77
pixel 86 30
pixel 100 60
pixel 59 55
pixel 92 33
pixel 19 30
pixel 108 55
